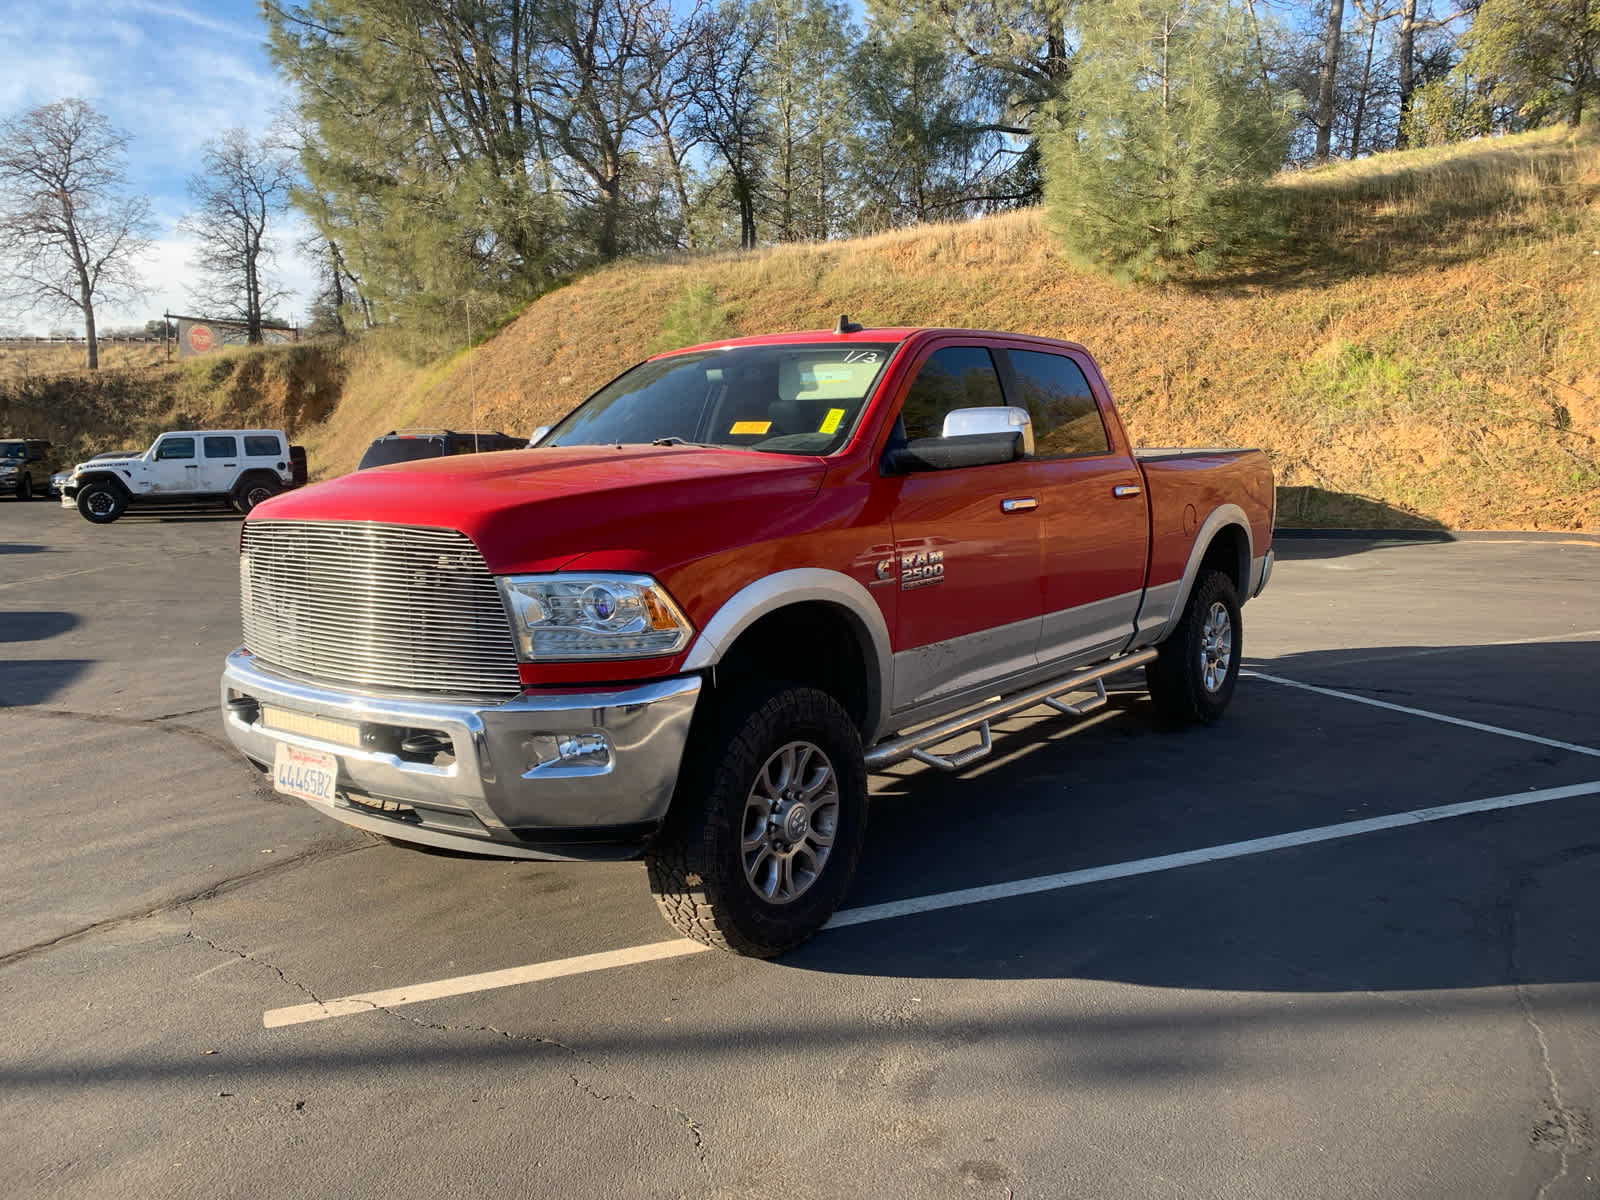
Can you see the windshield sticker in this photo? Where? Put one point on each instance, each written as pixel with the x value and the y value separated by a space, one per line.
pixel 823 375
pixel 750 427
pixel 830 423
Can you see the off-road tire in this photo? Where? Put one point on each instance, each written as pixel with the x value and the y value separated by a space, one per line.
pixel 696 864
pixel 25 487
pixel 252 492
pixel 1178 679
pixel 102 501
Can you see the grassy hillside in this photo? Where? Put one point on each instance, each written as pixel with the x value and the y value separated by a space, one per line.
pixel 137 393
pixel 1423 350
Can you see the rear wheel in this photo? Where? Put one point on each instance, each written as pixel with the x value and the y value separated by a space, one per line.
pixel 1194 676
pixel 253 491
pixel 102 501
pixel 767 823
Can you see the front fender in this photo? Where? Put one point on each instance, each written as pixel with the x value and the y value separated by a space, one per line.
pixel 802 585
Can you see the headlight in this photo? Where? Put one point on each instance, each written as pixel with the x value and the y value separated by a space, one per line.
pixel 558 617
pixel 7 471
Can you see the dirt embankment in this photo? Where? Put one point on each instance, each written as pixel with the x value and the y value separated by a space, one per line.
pixel 1424 350
pixel 137 394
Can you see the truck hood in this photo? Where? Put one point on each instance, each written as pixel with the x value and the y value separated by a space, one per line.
pixel 536 510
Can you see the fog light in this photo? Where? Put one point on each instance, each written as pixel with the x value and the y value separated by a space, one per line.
pixel 584 750
pixel 565 750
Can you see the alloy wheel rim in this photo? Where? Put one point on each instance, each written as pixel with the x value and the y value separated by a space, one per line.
pixel 1216 646
pixel 791 817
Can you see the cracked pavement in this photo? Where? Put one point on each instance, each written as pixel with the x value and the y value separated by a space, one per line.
pixel 1411 1014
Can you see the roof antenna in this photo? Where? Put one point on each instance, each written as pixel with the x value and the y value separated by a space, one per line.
pixel 846 325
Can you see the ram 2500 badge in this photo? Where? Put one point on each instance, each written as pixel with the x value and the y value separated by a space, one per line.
pixel 723 590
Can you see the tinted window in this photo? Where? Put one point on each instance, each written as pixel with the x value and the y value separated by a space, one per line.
pixel 221 447
pixel 260 446
pixel 955 377
pixel 13 450
pixel 393 450
pixel 1066 420
pixel 176 448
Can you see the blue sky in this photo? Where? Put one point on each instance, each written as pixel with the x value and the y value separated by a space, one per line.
pixel 170 74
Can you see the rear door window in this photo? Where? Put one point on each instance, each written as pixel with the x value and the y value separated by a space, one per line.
pixel 218 446
pixel 1066 420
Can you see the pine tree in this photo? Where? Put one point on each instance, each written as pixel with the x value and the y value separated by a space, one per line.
pixel 1541 58
pixel 1166 131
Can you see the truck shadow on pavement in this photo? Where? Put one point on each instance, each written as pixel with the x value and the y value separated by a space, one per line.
pixel 38 681
pixel 1484 900
pixel 36 626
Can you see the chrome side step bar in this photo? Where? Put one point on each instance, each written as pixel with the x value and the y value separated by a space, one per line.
pixel 917 744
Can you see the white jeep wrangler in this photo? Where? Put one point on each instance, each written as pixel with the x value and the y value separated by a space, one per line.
pixel 239 467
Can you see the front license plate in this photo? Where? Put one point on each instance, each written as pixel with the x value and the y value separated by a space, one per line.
pixel 308 774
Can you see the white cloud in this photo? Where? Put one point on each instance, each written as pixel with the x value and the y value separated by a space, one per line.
pixel 171 77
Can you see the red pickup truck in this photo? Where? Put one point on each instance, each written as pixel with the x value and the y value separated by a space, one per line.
pixel 723 590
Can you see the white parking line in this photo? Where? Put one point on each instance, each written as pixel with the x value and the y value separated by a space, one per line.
pixel 487 981
pixel 1431 716
pixel 656 951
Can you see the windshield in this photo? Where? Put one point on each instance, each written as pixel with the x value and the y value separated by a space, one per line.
pixel 788 399
pixel 13 450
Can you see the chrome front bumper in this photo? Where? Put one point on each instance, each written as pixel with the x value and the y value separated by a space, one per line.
pixel 498 783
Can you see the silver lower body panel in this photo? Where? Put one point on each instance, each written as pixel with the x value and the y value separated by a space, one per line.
pixel 487 778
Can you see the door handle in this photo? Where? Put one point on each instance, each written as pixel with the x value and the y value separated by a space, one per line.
pixel 191 466
pixel 1019 504
pixel 1124 490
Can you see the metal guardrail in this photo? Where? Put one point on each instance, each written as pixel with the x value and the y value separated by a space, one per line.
pixel 78 341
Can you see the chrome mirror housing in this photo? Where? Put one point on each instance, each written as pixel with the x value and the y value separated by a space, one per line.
pixel 964 422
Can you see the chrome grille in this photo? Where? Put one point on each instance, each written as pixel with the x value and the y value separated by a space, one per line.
pixel 398 609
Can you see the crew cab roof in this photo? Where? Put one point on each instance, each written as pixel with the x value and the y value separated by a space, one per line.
pixel 891 333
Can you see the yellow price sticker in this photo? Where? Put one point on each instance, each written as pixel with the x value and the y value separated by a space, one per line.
pixel 750 427
pixel 830 423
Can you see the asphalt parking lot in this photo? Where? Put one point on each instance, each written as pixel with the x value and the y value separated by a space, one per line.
pixel 1344 944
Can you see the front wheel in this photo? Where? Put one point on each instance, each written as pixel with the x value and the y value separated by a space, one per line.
pixel 767 822
pixel 25 488
pixel 1194 676
pixel 101 502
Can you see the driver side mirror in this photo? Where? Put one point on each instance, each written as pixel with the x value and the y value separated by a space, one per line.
pixel 965 422
pixel 943 453
pixel 971 437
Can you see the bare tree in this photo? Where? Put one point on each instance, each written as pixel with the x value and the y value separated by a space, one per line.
pixel 728 62
pixel 245 185
pixel 1330 70
pixel 69 235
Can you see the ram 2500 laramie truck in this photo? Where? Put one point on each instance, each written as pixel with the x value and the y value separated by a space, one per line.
pixel 723 590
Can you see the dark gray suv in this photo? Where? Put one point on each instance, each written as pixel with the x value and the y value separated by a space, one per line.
pixel 25 467
pixel 408 445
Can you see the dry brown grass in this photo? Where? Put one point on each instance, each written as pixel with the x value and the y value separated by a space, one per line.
pixel 37 358
pixel 1423 350
pixel 1428 354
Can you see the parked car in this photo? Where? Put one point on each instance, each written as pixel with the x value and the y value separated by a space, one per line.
pixel 409 445
pixel 25 467
pixel 725 588
pixel 238 467
pixel 58 481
